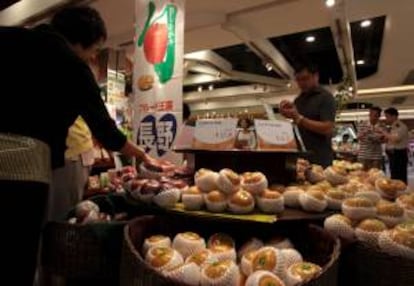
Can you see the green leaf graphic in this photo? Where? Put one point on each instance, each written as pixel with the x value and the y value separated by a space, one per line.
pixel 151 10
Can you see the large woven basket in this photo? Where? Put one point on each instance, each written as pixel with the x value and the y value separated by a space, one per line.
pixel 363 265
pixel 313 242
pixel 84 254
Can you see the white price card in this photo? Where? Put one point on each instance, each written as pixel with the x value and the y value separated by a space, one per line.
pixel 275 135
pixel 215 134
pixel 185 137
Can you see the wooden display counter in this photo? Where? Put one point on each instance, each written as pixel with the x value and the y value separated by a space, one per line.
pixel 278 166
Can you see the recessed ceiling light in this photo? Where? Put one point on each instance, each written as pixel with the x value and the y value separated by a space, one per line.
pixel 310 39
pixel 330 3
pixel 360 62
pixel 268 66
pixel 366 23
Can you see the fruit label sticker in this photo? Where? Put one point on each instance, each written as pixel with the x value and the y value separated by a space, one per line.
pixel 215 134
pixel 158 75
pixel 275 135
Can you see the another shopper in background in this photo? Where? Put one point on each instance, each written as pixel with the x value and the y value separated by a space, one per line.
pixel 70 180
pixel 46 82
pixel 345 144
pixel 245 138
pixel 188 158
pixel 370 140
pixel 314 113
pixel 397 144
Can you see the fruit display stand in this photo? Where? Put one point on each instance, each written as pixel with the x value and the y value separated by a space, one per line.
pixel 315 244
pixel 289 215
pixel 294 223
pixel 278 166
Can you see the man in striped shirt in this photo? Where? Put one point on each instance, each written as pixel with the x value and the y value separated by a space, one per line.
pixel 370 138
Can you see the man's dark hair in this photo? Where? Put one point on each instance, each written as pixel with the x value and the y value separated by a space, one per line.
pixel 306 66
pixel 80 25
pixel 391 111
pixel 186 111
pixel 377 109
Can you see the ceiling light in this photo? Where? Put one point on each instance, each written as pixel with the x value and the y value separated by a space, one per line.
pixel 360 62
pixel 350 88
pixel 330 3
pixel 200 88
pixel 366 23
pixel 310 39
pixel 210 87
pixel 268 66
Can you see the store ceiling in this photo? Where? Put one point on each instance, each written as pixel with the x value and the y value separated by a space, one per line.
pixel 295 48
pixel 386 46
pixel 7 3
pixel 282 21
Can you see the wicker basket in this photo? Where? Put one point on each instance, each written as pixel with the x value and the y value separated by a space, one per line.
pixel 362 265
pixel 319 246
pixel 84 254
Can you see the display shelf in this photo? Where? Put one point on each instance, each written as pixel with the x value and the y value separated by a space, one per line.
pixel 288 215
pixel 278 166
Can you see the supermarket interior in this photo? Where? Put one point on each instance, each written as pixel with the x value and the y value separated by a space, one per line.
pixel 191 142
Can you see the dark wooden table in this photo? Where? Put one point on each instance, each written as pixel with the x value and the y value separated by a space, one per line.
pixel 278 166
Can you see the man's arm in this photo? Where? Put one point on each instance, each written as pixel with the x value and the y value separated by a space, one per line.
pixel 324 127
pixel 396 137
pixel 320 127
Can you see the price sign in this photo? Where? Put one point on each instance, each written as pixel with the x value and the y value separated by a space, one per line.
pixel 275 135
pixel 215 134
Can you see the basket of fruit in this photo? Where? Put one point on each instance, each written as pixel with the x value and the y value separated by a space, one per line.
pixel 86 247
pixel 163 251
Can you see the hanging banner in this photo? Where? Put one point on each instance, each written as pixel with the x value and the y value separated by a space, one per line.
pixel 158 75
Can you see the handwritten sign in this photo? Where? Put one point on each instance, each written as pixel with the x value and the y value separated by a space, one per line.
pixel 275 135
pixel 215 134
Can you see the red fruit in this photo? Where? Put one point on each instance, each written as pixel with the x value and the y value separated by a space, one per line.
pixel 179 184
pixel 135 184
pixel 128 169
pixel 155 43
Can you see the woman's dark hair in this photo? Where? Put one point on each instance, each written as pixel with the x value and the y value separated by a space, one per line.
pixel 80 25
pixel 245 119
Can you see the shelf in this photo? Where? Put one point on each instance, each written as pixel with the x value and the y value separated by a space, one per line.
pixel 240 151
pixel 288 215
